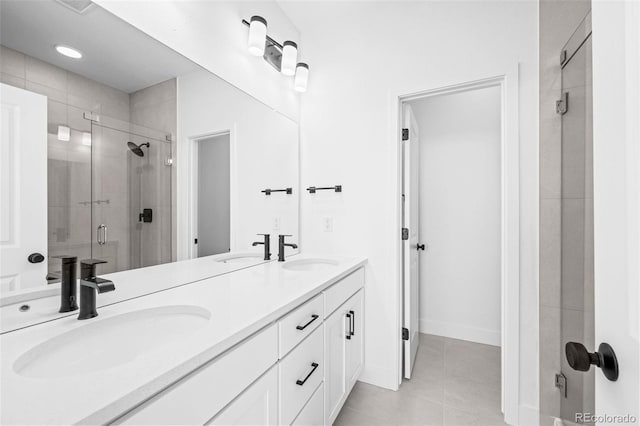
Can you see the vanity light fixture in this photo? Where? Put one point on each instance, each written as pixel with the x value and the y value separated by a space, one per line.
pixel 302 77
pixel 289 57
pixel 283 57
pixel 69 52
pixel 86 138
pixel 257 35
pixel 64 133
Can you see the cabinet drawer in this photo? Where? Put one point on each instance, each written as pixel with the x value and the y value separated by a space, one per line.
pixel 299 324
pixel 338 293
pixel 313 413
pixel 300 373
pixel 200 395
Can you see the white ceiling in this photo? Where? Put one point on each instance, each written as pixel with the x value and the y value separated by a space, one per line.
pixel 115 53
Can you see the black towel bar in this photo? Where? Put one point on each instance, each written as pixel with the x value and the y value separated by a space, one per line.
pixel 269 191
pixel 313 189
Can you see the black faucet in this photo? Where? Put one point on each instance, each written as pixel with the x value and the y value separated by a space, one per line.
pixel 68 295
pixel 282 245
pixel 89 286
pixel 267 245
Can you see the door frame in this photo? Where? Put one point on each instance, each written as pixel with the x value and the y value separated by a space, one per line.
pixel 192 192
pixel 510 224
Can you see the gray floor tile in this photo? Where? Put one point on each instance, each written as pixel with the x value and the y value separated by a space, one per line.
pixel 454 382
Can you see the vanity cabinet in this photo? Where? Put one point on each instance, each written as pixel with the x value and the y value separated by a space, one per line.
pixel 343 353
pixel 298 370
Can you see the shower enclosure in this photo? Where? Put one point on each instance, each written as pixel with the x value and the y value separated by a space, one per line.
pixel 577 273
pixel 110 195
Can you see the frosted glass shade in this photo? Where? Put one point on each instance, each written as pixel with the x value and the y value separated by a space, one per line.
pixel 289 58
pixel 257 35
pixel 64 133
pixel 302 77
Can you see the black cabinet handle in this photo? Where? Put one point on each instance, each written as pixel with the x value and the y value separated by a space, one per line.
pixel 35 258
pixel 352 323
pixel 420 247
pixel 302 327
pixel 348 336
pixel 314 365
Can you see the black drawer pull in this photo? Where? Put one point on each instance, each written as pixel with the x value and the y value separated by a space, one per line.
pixel 302 327
pixel 352 323
pixel 314 365
pixel 348 336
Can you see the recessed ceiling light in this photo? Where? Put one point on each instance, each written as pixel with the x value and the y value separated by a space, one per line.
pixel 69 52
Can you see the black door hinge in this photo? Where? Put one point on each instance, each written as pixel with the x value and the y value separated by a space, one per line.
pixel 405 134
pixel 405 333
pixel 405 234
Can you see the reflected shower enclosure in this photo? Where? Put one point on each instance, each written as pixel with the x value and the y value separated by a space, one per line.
pixel 110 184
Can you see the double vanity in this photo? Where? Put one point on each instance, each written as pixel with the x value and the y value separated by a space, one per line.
pixel 273 343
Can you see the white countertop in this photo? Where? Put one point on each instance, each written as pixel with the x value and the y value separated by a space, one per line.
pixel 240 303
pixel 129 284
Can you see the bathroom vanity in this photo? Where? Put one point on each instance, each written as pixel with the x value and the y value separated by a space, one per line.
pixel 275 343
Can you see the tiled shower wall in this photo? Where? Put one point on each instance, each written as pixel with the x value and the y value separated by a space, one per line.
pixel 69 96
pixel 558 20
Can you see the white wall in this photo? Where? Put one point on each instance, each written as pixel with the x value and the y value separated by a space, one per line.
pixel 214 195
pixel 264 154
pixel 363 55
pixel 211 34
pixel 460 137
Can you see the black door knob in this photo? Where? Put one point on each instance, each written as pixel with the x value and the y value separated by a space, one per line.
pixel 580 359
pixel 420 247
pixel 35 258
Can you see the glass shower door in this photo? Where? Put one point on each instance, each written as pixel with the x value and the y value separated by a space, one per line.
pixel 131 195
pixel 577 291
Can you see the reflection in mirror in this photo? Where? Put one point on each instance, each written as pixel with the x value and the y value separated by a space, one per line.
pixel 149 158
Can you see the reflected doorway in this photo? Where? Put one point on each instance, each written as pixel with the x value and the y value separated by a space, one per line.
pixel 212 155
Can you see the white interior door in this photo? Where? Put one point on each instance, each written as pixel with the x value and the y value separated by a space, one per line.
pixel 23 189
pixel 411 218
pixel 616 140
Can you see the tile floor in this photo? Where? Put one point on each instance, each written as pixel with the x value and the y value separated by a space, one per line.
pixel 454 383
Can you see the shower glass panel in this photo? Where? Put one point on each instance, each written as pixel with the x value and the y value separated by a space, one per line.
pixel 577 314
pixel 69 188
pixel 131 195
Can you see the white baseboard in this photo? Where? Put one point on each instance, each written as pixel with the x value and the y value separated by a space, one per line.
pixel 462 332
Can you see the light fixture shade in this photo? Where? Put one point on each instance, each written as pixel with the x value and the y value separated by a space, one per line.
pixel 86 138
pixel 64 133
pixel 302 77
pixel 257 35
pixel 289 58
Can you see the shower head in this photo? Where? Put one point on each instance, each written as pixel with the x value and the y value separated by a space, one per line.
pixel 137 149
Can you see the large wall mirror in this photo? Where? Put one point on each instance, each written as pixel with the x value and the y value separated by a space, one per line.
pixel 142 156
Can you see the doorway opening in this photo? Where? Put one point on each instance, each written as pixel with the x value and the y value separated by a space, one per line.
pixel 458 201
pixel 212 194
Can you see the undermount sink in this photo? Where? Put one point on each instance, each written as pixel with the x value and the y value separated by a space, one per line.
pixel 310 265
pixel 106 343
pixel 240 258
